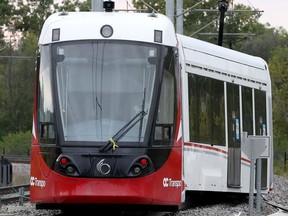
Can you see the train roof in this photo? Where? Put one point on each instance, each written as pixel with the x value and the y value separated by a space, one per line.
pixel 126 26
pixel 221 60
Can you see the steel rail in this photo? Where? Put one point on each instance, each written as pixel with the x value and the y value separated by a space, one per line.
pixel 18 159
pixel 13 193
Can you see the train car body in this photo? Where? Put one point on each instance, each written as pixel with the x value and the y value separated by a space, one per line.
pixel 127 112
pixel 226 93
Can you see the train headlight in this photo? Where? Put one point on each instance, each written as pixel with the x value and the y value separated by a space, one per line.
pixel 66 166
pixel 106 31
pixel 137 170
pixel 140 166
pixel 71 170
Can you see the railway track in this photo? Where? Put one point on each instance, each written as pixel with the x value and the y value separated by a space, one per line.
pixel 18 159
pixel 203 205
pixel 13 193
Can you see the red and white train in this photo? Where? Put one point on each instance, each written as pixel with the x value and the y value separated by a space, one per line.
pixel 128 112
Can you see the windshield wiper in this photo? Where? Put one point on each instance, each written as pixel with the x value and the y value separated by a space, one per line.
pixel 112 142
pixel 143 108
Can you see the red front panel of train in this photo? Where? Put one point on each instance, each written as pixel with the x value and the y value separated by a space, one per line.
pixel 162 187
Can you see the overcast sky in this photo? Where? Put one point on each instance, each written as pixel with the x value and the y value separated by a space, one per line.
pixel 275 11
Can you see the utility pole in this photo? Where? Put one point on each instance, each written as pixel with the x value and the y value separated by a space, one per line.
pixel 179 13
pixel 223 9
pixel 10 72
pixel 97 5
pixel 179 18
pixel 170 10
pixel 222 6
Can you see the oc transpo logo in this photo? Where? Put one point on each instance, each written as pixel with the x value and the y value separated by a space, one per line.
pixel 36 182
pixel 103 168
pixel 168 182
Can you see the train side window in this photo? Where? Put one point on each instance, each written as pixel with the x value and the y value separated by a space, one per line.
pixel 217 112
pixel 260 112
pixel 206 110
pixel 164 127
pixel 233 115
pixel 261 129
pixel 165 115
pixel 247 110
pixel 163 132
pixel 45 99
pixel 47 130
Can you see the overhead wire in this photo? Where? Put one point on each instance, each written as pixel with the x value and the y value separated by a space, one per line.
pixel 128 4
pixel 251 5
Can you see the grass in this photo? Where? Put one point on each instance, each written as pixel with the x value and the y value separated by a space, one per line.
pixel 280 168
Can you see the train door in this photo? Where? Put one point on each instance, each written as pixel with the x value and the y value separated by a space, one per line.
pixel 253 98
pixel 261 129
pixel 234 147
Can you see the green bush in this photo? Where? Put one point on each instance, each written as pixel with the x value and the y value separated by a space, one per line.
pixel 280 168
pixel 16 143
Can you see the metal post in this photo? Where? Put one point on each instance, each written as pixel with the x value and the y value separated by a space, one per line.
pixel 5 174
pixel 1 170
pixel 21 194
pixel 223 5
pixel 251 192
pixel 170 10
pixel 9 172
pixel 258 197
pixel 255 147
pixel 97 5
pixel 285 159
pixel 179 18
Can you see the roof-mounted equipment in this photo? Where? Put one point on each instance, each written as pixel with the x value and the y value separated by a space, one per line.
pixel 108 6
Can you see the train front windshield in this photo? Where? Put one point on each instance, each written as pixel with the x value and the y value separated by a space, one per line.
pixel 104 88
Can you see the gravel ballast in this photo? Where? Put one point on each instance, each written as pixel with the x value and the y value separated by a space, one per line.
pixel 225 207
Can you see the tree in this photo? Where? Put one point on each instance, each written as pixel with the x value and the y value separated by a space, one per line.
pixel 264 43
pixel 75 5
pixel 17 74
pixel 201 20
pixel 243 24
pixel 16 85
pixel 30 15
pixel 16 143
pixel 152 5
pixel 5 11
pixel 24 83
pixel 279 72
pixel 4 119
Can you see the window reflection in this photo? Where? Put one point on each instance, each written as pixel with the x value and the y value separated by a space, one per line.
pixel 45 107
pixel 102 86
pixel 206 110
